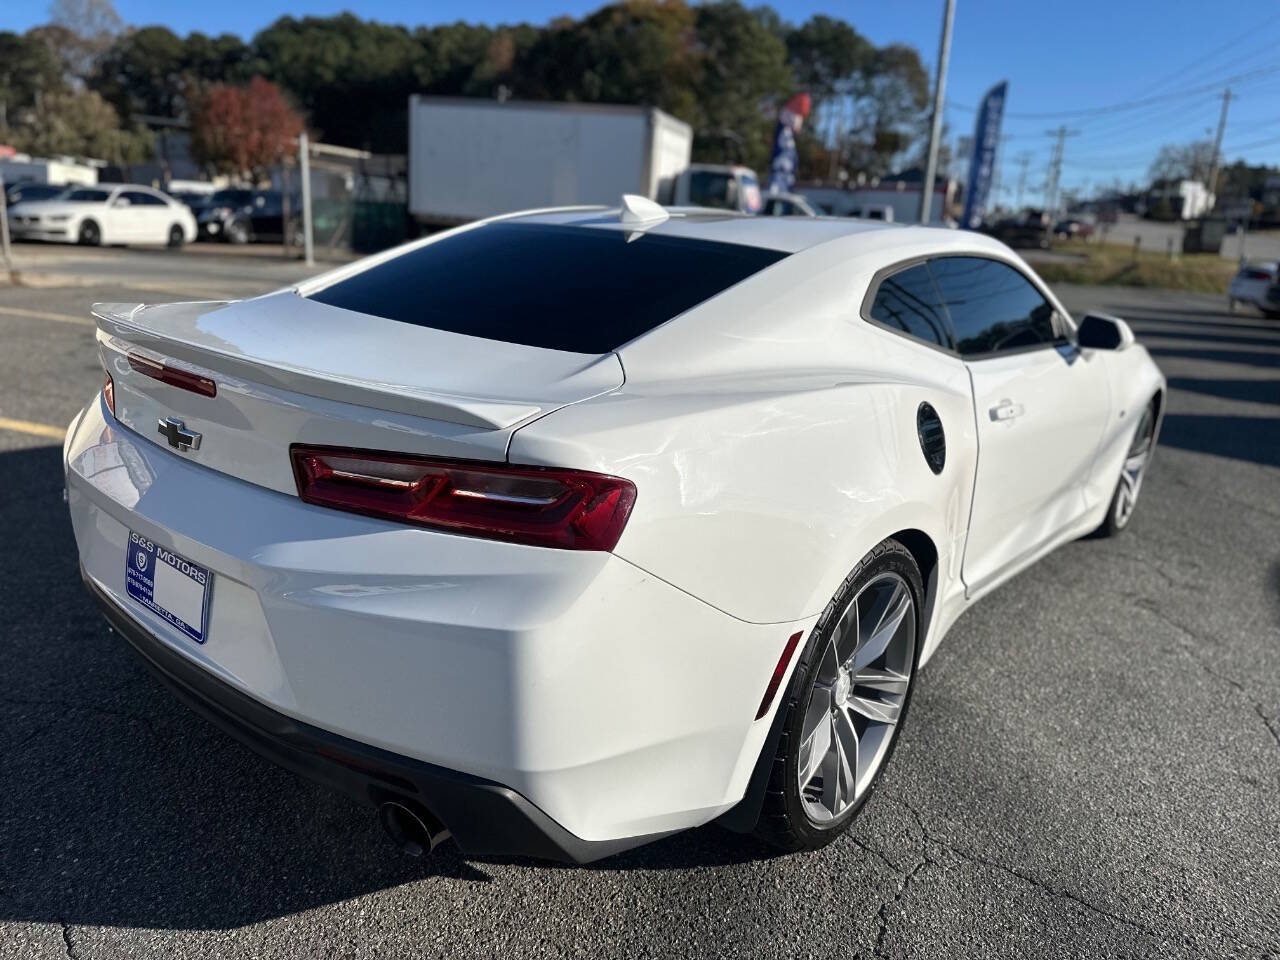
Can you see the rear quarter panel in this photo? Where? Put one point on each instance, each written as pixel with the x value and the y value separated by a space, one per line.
pixel 774 450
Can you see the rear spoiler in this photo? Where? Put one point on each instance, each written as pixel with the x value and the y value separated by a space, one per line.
pixel 176 331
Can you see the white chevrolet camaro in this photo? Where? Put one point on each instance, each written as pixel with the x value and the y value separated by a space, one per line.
pixel 111 214
pixel 567 530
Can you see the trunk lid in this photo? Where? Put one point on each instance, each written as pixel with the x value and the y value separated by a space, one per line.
pixel 291 370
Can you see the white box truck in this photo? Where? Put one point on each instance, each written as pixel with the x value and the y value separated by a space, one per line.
pixel 471 158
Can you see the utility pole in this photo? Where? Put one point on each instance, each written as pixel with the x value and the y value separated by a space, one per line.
pixel 1055 166
pixel 994 199
pixel 1217 143
pixel 939 101
pixel 1024 161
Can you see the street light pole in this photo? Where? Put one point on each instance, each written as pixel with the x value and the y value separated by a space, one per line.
pixel 939 100
pixel 4 230
pixel 304 171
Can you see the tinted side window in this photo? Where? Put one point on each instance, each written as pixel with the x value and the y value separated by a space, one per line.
pixel 992 306
pixel 137 198
pixel 88 196
pixel 908 301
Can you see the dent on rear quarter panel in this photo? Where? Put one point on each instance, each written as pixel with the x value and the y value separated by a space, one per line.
pixel 773 443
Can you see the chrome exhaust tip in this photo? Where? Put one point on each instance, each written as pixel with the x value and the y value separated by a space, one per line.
pixel 414 832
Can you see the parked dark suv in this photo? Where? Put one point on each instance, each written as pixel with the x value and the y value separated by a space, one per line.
pixel 247 216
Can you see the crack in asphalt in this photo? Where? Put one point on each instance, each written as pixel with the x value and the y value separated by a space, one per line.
pixel 1217 491
pixel 68 946
pixel 966 856
pixel 1268 722
pixel 66 939
pixel 878 854
pixel 1190 650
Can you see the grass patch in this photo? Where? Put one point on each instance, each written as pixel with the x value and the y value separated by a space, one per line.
pixel 1103 265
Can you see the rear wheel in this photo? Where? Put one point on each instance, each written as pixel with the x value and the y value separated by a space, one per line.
pixel 177 236
pixel 90 234
pixel 1132 472
pixel 846 703
pixel 238 231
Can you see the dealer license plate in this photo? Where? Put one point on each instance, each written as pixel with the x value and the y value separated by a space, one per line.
pixel 168 584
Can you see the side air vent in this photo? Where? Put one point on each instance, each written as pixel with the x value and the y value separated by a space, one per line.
pixel 933 442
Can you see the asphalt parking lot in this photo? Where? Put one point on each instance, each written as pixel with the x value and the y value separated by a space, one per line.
pixel 1091 766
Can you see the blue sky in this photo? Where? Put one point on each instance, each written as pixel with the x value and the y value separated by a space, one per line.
pixel 1088 55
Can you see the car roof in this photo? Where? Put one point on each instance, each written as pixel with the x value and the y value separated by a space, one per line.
pixel 786 234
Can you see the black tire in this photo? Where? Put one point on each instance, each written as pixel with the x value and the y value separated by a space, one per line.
pixel 1116 519
pixel 177 237
pixel 90 234
pixel 238 232
pixel 783 822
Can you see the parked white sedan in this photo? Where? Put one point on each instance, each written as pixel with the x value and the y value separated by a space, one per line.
pixel 105 214
pixel 568 530
pixel 1252 285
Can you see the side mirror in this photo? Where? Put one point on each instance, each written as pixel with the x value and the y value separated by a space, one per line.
pixel 1101 331
pixel 121 202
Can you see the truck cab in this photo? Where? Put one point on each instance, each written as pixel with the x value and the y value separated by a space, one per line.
pixel 723 186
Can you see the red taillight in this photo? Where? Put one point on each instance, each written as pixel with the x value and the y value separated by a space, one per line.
pixel 109 392
pixel 779 672
pixel 1257 275
pixel 174 377
pixel 540 506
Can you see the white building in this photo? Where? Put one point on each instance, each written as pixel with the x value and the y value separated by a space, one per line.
pixel 1187 198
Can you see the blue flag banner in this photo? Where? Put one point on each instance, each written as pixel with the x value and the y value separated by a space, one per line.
pixel 986 141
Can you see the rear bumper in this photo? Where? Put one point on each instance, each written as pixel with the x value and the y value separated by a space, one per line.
pixel 485 818
pixel 1250 291
pixel 568 683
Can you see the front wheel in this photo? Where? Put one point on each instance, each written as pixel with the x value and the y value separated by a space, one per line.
pixel 90 235
pixel 1132 472
pixel 847 701
pixel 177 237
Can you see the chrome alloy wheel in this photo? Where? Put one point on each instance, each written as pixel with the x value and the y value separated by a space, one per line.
pixel 861 686
pixel 1135 465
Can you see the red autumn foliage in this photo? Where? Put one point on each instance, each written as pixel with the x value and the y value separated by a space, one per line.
pixel 244 131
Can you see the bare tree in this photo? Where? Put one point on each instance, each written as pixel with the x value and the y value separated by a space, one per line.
pixel 1189 161
pixel 87 28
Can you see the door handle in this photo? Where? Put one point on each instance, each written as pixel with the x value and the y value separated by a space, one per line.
pixel 1006 410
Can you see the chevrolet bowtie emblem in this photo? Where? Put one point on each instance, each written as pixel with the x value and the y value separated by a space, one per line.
pixel 176 432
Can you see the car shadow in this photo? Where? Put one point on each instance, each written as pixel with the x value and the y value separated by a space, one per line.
pixel 1223 339
pixel 1189 318
pixel 122 808
pixel 1256 439
pixel 1242 357
pixel 1249 391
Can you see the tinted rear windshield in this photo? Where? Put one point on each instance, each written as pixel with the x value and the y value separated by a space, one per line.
pixel 580 289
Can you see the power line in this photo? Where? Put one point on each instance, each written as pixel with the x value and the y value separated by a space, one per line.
pixel 1024 161
pixel 1247 77
pixel 1213 54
